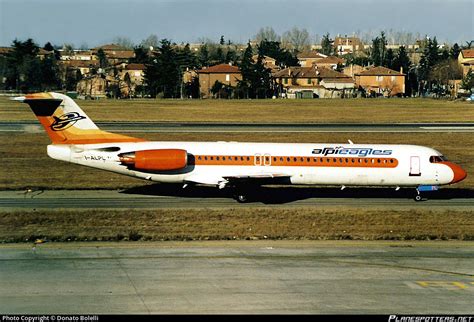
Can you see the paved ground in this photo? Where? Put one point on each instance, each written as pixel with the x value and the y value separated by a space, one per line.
pixel 151 127
pixel 238 277
pixel 168 196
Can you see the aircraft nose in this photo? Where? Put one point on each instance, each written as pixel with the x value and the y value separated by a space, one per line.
pixel 458 173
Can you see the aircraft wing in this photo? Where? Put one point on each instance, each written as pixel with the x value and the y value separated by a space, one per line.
pixel 233 180
pixel 258 179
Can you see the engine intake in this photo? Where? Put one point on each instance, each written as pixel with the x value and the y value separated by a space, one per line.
pixel 155 160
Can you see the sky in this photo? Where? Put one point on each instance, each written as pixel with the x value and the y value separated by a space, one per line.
pixel 95 22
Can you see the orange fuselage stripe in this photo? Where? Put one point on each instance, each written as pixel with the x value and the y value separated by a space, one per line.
pixel 294 161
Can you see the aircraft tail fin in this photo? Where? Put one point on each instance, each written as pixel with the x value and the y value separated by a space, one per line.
pixel 66 123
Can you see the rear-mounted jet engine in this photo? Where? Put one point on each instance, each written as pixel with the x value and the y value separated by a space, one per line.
pixel 155 160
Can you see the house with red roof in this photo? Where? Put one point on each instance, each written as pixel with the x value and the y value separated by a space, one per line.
pixel 466 60
pixel 115 54
pixel 224 73
pixel 381 81
pixel 315 81
pixel 309 58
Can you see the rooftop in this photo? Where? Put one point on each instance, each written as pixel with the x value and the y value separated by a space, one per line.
pixel 468 53
pixel 311 54
pixel 379 71
pixel 221 68
pixel 311 72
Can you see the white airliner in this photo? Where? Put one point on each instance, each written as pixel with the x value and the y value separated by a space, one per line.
pixel 240 166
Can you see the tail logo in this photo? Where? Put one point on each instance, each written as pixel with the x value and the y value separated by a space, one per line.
pixel 65 121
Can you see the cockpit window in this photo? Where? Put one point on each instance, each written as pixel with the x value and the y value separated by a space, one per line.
pixel 437 158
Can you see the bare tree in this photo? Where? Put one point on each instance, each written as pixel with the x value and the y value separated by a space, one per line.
pixel 68 49
pixel 266 33
pixel 445 71
pixel 124 42
pixel 296 39
pixel 150 41
pixel 84 46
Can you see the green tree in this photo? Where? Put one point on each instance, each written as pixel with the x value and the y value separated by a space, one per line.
pixel 255 77
pixel 141 55
pixel 444 54
pixel 103 62
pixel 246 65
pixel 218 56
pixel 162 75
pixel 379 50
pixel 326 45
pixel 230 56
pixel 454 52
pixel 49 47
pixel 429 58
pixel 432 52
pixel 203 55
pixel 73 76
pixel 50 73
pixel 389 59
pixel 352 59
pixel 402 60
pixel 23 67
pixel 185 58
pixel 467 82
pixel 216 88
pixel 282 56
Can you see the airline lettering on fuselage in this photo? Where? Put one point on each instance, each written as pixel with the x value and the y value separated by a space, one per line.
pixel 360 152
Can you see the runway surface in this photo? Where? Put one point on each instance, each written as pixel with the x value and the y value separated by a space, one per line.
pixel 238 277
pixel 152 127
pixel 171 196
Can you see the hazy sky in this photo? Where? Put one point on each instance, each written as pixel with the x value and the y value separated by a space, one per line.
pixel 95 22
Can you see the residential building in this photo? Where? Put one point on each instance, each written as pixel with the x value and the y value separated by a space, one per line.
pixel 353 69
pixel 348 45
pixel 307 59
pixel 94 86
pixel 224 73
pixel 321 82
pixel 128 84
pixel 84 66
pixel 85 55
pixel 381 81
pixel 330 62
pixel 42 53
pixel 5 50
pixel 267 61
pixel 466 60
pixel 115 54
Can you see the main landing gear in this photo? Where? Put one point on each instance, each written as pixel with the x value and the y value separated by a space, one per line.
pixel 243 193
pixel 241 197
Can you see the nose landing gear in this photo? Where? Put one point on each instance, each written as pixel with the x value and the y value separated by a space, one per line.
pixel 421 189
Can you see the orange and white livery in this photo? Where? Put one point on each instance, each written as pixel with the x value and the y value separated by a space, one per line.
pixel 75 138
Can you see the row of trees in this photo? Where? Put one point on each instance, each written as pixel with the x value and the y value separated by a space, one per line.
pixel 22 69
pixel 433 72
pixel 166 65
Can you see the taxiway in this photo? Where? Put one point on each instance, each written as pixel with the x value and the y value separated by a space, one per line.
pixel 238 277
